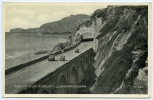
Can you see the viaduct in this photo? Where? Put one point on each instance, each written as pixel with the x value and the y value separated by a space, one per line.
pixel 40 76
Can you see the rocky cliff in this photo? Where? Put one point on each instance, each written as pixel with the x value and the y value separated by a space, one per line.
pixel 121 46
pixel 84 30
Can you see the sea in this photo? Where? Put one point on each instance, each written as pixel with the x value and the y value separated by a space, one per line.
pixel 20 47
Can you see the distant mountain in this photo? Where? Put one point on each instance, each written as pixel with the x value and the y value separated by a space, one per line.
pixel 33 30
pixel 66 25
pixel 20 30
pixel 17 30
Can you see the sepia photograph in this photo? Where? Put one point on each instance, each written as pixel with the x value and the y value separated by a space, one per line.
pixel 77 49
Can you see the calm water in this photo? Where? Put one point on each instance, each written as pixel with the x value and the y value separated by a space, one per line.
pixel 19 44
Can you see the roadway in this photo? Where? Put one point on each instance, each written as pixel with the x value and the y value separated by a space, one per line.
pixel 36 72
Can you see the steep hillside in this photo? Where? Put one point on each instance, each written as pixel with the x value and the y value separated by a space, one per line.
pixel 66 25
pixel 121 46
pixel 85 30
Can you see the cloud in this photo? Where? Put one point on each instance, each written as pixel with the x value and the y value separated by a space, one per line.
pixel 87 11
pixel 18 12
pixel 16 18
pixel 44 18
pixel 19 23
pixel 31 17
pixel 19 18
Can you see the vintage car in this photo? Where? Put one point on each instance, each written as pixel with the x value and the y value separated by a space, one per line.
pixel 51 57
pixel 77 51
pixel 62 58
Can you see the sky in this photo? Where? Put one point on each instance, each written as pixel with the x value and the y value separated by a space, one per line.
pixel 33 15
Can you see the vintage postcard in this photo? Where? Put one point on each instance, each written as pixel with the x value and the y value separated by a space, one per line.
pixel 76 49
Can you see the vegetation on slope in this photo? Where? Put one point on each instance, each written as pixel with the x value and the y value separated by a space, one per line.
pixel 66 25
pixel 121 66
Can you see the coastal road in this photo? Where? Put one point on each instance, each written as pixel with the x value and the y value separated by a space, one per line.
pixel 34 73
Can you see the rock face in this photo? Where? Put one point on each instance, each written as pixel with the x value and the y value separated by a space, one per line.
pixel 59 47
pixel 84 30
pixel 65 25
pixel 121 46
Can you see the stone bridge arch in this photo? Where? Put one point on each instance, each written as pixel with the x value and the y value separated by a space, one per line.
pixel 81 70
pixel 73 76
pixel 43 91
pixel 61 81
pixel 87 62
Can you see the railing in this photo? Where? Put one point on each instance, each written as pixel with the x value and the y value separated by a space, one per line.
pixel 52 74
pixel 31 62
pixel 23 65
